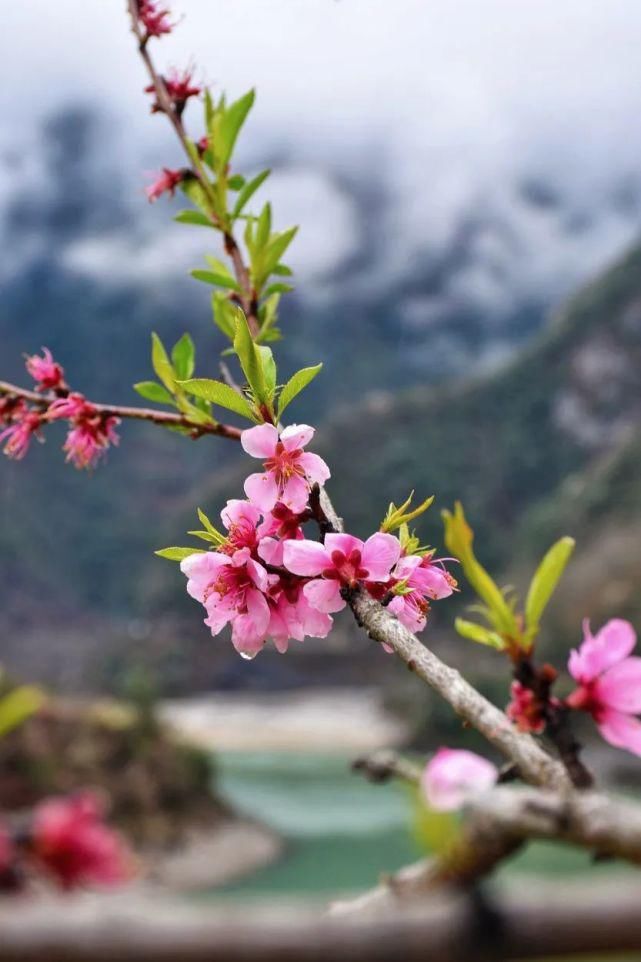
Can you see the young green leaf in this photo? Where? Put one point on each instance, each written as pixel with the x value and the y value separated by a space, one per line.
pixel 183 357
pixel 224 314
pixel 263 226
pixel 152 391
pixel 219 393
pixel 161 363
pixel 248 192
pixel 214 532
pixel 193 189
pixel 19 705
pixel 276 248
pixel 229 127
pixel 458 539
pixel 295 385
pixel 193 217
pixel 236 182
pixel 217 279
pixel 544 582
pixel 251 361
pixel 177 554
pixel 469 629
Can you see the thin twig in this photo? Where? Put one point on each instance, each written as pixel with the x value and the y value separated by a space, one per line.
pixel 162 418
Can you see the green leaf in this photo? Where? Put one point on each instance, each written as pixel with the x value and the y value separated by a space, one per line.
pixel 469 629
pixel 458 538
pixel 269 367
pixel 544 582
pixel 278 288
pixel 248 192
pixel 19 705
pixel 229 126
pixel 251 360
pixel 236 182
pixel 295 385
pixel 224 314
pixel 183 357
pixel 276 248
pixel 282 270
pixel 218 280
pixel 263 226
pixel 193 217
pixel 152 391
pixel 434 831
pixel 177 554
pixel 219 393
pixel 193 189
pixel 161 363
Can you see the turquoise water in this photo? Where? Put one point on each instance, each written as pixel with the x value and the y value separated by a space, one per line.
pixel 342 832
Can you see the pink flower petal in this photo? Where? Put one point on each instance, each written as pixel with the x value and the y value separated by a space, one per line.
pixel 453 775
pixel 262 490
pixel 622 731
pixel 380 554
pixel 343 542
pixel 271 550
pixel 201 569
pixel 611 644
pixel 260 441
pixel 238 512
pixel 295 494
pixel 315 623
pixel 324 595
pixel 314 467
pixel 307 558
pixel 407 614
pixel 296 436
pixel 432 581
pixel 620 686
pixel 258 575
pixel 218 617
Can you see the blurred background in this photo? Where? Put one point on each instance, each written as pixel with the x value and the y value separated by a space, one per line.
pixel 468 183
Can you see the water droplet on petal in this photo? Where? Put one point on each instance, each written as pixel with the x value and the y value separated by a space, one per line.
pixel 246 655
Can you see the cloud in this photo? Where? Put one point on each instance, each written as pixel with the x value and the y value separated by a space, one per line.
pixel 502 138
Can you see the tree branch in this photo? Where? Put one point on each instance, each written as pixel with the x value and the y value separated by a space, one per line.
pixel 162 418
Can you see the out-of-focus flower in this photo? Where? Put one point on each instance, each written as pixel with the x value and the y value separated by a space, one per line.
pixel 155 20
pixel 166 182
pixel 70 840
pixel 453 775
pixel 47 372
pixel 525 709
pixel 92 432
pixel 609 683
pixel 180 87
pixel 341 562
pixel 25 423
pixel 290 471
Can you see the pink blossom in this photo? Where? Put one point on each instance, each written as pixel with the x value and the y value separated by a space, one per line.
pixel 92 431
pixel 70 840
pixel 290 471
pixel 241 519
pixel 25 423
pixel 154 20
pixel 424 580
pixel 232 589
pixel 47 372
pixel 167 181
pixel 180 87
pixel 341 562
pixel 89 440
pixel 609 683
pixel 453 775
pixel 292 616
pixel 279 526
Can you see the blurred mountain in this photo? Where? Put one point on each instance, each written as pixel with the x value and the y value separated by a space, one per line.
pixel 538 445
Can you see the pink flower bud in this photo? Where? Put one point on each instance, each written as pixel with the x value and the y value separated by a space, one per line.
pixel 154 20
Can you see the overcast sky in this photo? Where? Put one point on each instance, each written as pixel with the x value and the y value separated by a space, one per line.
pixel 448 104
